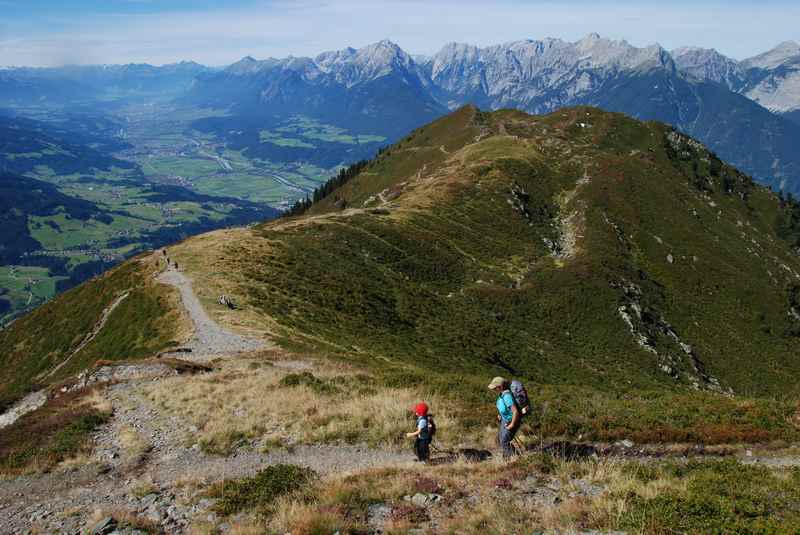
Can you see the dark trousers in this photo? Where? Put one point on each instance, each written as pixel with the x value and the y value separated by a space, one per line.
pixel 422 448
pixel 505 436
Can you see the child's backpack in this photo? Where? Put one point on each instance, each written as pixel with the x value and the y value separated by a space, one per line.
pixel 520 397
pixel 431 427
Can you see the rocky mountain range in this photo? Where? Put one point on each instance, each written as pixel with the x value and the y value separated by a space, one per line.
pixel 740 109
pixel 772 79
pixel 379 87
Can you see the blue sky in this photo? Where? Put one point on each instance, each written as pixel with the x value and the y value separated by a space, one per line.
pixel 54 32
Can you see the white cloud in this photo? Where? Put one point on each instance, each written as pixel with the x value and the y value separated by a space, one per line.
pixel 308 27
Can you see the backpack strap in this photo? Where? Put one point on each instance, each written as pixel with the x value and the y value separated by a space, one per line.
pixel 513 400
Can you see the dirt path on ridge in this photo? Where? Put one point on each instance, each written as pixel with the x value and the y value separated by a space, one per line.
pixel 209 338
pixel 145 460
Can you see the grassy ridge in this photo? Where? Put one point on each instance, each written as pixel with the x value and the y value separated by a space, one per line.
pixel 143 324
pixel 614 265
pixel 424 147
pixel 513 244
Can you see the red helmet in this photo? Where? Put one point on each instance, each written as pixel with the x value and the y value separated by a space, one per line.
pixel 421 409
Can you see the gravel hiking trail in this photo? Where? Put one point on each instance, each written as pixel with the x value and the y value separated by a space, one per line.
pixel 209 338
pixel 147 462
pixel 208 341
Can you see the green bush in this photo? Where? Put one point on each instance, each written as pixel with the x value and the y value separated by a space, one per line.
pixel 72 437
pixel 309 380
pixel 60 429
pixel 260 491
pixel 719 497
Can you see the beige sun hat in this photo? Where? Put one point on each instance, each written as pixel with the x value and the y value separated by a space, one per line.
pixel 497 381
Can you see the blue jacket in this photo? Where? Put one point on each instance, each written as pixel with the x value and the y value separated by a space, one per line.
pixel 422 425
pixel 505 404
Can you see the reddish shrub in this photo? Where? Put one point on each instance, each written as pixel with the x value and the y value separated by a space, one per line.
pixel 504 484
pixel 427 485
pixel 409 513
pixel 336 510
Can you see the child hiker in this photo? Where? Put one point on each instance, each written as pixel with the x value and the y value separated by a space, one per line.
pixel 423 433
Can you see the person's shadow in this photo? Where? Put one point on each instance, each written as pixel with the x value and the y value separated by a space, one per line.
pixel 568 450
pixel 470 455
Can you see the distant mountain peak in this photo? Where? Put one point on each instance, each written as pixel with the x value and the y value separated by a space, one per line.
pixel 785 51
pixel 695 50
pixel 382 50
pixel 455 45
pixel 246 65
pixel 385 43
pixel 708 64
pixel 792 46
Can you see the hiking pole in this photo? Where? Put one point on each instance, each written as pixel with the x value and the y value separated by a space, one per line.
pixel 545 405
pixel 517 442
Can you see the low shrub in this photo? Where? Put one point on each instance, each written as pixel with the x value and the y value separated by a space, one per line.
pixel 427 485
pixel 310 380
pixel 260 491
pixel 223 443
pixel 49 435
pixel 717 497
pixel 408 513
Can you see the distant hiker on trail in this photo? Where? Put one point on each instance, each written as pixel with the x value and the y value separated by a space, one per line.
pixel 424 433
pixel 508 415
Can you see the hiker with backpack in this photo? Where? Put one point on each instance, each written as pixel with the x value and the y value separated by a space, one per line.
pixel 512 403
pixel 425 430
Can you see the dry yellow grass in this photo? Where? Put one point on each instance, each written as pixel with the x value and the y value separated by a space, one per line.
pixel 74 462
pixel 206 260
pixel 97 400
pixel 487 511
pixel 125 519
pixel 134 445
pixel 473 500
pixel 244 399
pixel 142 487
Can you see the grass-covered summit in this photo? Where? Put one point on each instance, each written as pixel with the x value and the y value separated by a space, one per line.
pixel 581 248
